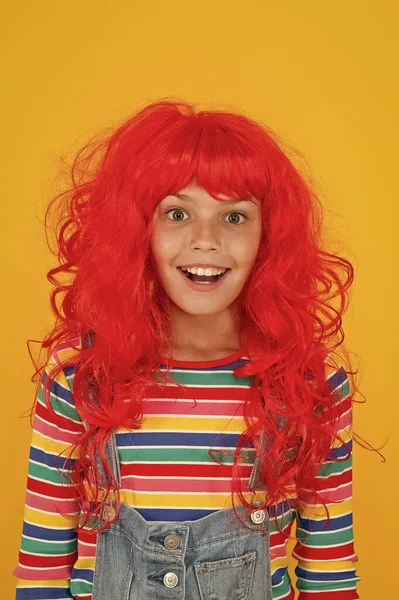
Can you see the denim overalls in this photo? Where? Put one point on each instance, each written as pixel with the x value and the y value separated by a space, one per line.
pixel 213 558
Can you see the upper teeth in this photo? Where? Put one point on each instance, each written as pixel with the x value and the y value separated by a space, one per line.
pixel 208 272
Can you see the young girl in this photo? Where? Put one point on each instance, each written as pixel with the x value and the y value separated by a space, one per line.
pixel 193 405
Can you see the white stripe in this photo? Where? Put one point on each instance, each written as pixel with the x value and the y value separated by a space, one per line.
pixel 325 532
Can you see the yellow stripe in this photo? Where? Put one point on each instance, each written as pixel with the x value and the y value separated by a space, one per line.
pixel 85 562
pixel 345 434
pixel 331 565
pixel 182 424
pixel 49 520
pixel 52 446
pixel 330 369
pixel 278 563
pixel 143 500
pixel 318 511
pixel 55 583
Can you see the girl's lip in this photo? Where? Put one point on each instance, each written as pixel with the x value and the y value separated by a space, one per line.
pixel 203 287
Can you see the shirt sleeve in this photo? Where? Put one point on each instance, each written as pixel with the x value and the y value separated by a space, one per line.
pixel 325 548
pixel 49 541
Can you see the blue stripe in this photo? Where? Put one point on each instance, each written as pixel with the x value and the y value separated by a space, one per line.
pixel 340 452
pixel 69 371
pixel 50 460
pixel 173 514
pixel 279 575
pixel 176 438
pixel 53 593
pixel 85 574
pixel 282 507
pixel 335 523
pixel 58 390
pixel 325 575
pixel 337 378
pixel 50 534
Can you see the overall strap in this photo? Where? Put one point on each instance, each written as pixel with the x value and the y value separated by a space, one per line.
pixel 112 458
pixel 111 448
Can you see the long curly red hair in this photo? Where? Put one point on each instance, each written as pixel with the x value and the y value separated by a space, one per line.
pixel 106 286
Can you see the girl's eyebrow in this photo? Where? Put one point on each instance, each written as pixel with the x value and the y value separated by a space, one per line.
pixel 188 199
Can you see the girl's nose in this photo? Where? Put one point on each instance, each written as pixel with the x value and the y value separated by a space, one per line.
pixel 205 237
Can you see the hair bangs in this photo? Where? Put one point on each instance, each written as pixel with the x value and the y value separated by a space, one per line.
pixel 227 164
pixel 214 156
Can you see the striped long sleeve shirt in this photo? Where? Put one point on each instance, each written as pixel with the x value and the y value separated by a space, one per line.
pixel 168 474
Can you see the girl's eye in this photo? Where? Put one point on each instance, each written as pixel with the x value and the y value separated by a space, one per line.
pixel 179 211
pixel 176 210
pixel 240 215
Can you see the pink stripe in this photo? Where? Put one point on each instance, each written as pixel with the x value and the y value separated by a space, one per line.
pixel 345 421
pixel 54 432
pixel 86 551
pixel 36 573
pixel 189 486
pixel 185 409
pixel 342 493
pixel 279 551
pixel 52 505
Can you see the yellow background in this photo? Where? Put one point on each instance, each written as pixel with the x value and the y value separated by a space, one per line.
pixel 322 74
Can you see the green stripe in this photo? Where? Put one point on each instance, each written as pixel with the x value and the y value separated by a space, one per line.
pixel 80 588
pixel 322 586
pixel 177 455
pixel 47 474
pixel 60 407
pixel 335 467
pixel 282 521
pixel 342 390
pixel 48 548
pixel 325 539
pixel 281 589
pixel 199 379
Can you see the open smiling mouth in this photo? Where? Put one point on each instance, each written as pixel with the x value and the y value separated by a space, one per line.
pixel 203 278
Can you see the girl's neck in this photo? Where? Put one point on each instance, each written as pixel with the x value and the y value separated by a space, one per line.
pixel 204 337
pixel 205 354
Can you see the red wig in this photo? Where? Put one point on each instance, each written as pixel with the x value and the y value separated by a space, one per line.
pixel 106 285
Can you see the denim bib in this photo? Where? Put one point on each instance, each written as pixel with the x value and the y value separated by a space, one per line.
pixel 217 557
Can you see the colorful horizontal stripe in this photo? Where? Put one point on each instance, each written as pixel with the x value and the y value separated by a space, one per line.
pixel 169 474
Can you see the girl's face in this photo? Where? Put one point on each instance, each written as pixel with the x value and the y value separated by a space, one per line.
pixel 191 228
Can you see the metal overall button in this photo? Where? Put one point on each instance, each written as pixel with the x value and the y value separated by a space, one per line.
pixel 258 516
pixel 171 580
pixel 172 541
pixel 108 512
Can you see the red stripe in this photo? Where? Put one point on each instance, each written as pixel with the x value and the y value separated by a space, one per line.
pixel 343 407
pixel 181 470
pixel 50 489
pixel 32 560
pixel 88 536
pixel 341 552
pixel 207 408
pixel 208 363
pixel 332 595
pixel 333 481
